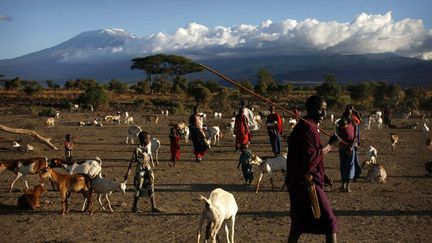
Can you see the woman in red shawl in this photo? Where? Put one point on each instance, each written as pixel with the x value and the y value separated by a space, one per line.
pixel 174 137
pixel 241 129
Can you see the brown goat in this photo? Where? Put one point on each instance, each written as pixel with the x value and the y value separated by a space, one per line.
pixel 70 183
pixel 31 198
pixel 23 167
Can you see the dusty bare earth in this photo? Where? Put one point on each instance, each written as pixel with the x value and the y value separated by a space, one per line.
pixel 397 211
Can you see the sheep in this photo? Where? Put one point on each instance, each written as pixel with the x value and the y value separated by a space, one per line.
pixel 103 186
pixel 220 206
pixel 23 167
pixel 372 154
pixel 50 122
pixel 269 165
pixel 394 139
pixel 213 133
pixel 376 172
pixel 70 183
pixel 129 120
pixel 31 198
pixel 92 168
pixel 132 133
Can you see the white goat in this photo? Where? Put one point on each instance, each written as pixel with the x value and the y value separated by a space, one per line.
pixel 57 115
pixel 425 128
pixel 103 186
pixel 220 206
pixel 292 122
pixel 269 165
pixel 133 133
pixel 114 119
pixel 379 123
pixel 50 122
pixel 129 120
pixel 92 168
pixel 232 124
pixel 372 154
pixel 218 115
pixel 213 133
pixel 154 147
pixel 253 124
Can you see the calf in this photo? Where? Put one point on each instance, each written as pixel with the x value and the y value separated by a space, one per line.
pixel 23 167
pixel 220 206
pixel 104 187
pixel 269 165
pixel 31 198
pixel 70 183
pixel 92 168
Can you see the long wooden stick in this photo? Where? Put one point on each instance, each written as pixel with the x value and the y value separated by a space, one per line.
pixel 29 132
pixel 263 98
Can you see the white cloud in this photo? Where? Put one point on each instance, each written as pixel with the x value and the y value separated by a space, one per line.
pixel 365 34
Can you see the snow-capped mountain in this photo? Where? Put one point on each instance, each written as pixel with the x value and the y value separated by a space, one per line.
pixel 106 54
pixel 110 37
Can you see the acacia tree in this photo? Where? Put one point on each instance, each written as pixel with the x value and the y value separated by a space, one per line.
pixel 264 81
pixel 159 65
pixel 331 90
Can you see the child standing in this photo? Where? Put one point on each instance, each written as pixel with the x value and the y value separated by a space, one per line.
pixel 174 137
pixel 68 146
pixel 144 177
pixel 244 161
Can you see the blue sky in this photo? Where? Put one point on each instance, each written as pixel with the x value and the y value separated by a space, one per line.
pixel 32 25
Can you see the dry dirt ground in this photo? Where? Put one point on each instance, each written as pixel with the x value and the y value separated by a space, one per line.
pixel 397 211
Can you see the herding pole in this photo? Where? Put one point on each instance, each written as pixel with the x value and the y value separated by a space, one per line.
pixel 265 99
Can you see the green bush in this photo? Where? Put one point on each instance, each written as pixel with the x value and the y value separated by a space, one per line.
pixel 96 96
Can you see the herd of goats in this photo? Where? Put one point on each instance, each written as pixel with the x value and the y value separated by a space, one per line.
pixel 86 178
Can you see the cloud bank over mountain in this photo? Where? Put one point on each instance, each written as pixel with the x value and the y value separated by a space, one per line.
pixel 366 34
